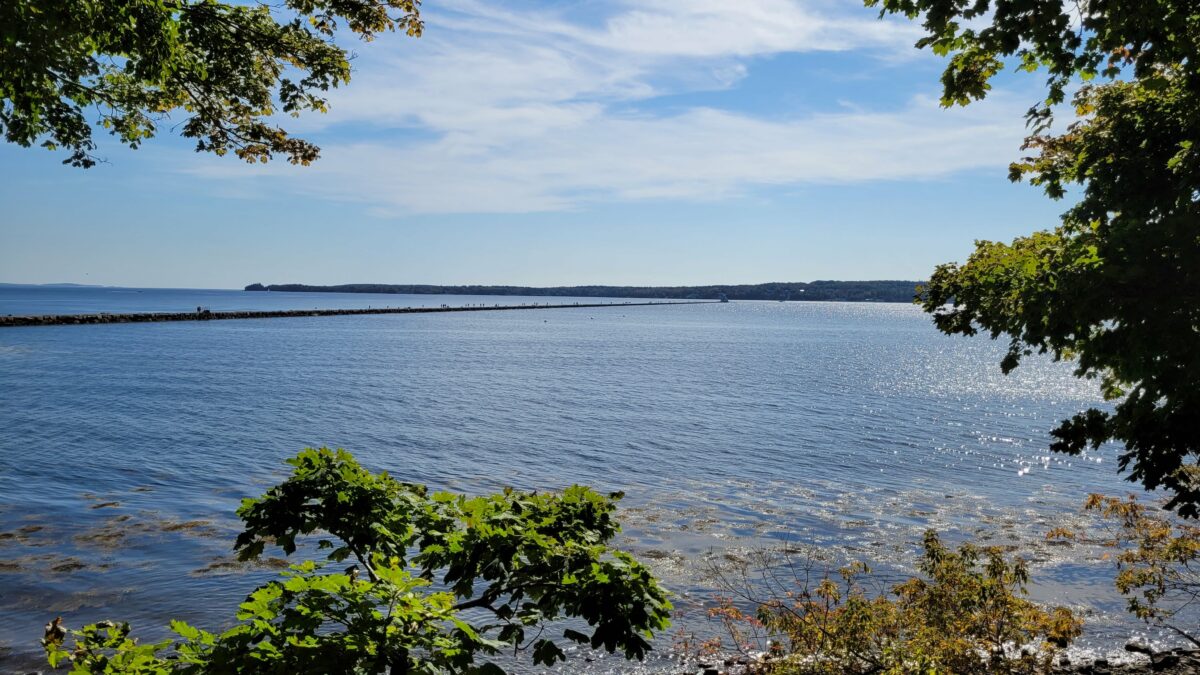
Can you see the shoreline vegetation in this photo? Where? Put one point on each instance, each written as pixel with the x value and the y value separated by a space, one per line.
pixel 441 582
pixel 202 314
pixel 846 291
pixel 438 583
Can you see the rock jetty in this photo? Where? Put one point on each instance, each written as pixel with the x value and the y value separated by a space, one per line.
pixel 202 314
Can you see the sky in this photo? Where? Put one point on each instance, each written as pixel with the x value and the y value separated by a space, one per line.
pixel 647 142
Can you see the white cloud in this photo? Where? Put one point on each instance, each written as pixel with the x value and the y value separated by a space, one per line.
pixel 705 28
pixel 702 154
pixel 700 28
pixel 519 111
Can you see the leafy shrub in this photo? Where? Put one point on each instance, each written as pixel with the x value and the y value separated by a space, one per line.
pixel 510 564
pixel 1157 557
pixel 966 614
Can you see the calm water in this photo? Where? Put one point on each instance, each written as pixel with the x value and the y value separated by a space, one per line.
pixel 124 449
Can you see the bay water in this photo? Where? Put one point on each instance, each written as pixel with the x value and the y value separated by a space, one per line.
pixel 853 427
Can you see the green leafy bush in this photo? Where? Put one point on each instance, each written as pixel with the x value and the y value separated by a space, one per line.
pixel 510 564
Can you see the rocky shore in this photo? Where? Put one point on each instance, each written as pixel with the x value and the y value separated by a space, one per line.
pixel 202 314
pixel 1171 662
pixel 1142 661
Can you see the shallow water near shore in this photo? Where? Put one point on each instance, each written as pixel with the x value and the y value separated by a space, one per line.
pixel 126 448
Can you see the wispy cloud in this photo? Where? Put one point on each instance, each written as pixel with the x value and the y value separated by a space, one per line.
pixel 707 28
pixel 519 110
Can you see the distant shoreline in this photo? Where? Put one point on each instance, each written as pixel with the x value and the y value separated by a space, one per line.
pixel 843 291
pixel 206 315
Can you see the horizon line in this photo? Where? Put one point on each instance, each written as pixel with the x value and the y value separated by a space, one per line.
pixel 70 284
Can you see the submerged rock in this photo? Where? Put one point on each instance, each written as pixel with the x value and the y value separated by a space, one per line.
pixel 1172 662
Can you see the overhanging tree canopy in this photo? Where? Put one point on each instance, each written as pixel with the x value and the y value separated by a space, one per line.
pixel 1116 286
pixel 127 65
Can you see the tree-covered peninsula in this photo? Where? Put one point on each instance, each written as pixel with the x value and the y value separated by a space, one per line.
pixel 853 291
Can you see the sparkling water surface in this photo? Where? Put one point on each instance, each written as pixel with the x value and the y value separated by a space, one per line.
pixel 125 449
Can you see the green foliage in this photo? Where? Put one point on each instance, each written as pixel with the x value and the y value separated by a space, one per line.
pixel 510 564
pixel 228 66
pixel 109 650
pixel 1157 559
pixel 966 614
pixel 1117 285
pixel 1065 39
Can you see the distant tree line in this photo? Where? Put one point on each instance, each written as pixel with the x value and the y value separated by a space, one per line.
pixel 855 291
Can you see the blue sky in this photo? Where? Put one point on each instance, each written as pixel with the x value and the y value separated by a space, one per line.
pixel 620 142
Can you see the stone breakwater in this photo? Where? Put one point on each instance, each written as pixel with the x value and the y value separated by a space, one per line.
pixel 207 315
